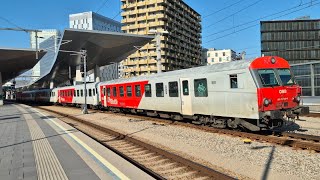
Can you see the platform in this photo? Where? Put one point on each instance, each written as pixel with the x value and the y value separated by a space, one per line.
pixel 34 145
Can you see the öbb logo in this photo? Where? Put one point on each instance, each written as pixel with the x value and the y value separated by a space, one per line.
pixel 282 91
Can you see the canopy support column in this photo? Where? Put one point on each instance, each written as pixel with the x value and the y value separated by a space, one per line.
pixel 97 76
pixel 1 91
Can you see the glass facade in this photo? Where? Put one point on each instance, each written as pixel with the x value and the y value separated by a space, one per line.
pixel 297 41
pixel 308 76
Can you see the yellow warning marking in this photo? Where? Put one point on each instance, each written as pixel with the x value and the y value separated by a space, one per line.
pixel 247 141
pixel 93 152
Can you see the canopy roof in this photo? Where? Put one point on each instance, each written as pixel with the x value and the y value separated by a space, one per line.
pixel 103 48
pixel 14 62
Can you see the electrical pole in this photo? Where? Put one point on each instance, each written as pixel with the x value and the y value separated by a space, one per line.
pixel 84 58
pixel 158 49
pixel 26 30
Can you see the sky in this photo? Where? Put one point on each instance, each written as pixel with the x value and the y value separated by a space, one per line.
pixel 226 24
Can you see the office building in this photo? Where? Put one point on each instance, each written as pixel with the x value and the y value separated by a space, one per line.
pixel 220 56
pixel 298 41
pixel 93 21
pixel 180 47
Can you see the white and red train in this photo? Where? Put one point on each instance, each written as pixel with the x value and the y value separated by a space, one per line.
pixel 254 95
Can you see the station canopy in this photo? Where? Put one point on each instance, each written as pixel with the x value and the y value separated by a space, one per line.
pixel 102 47
pixel 14 62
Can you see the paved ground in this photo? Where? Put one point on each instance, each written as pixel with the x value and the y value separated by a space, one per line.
pixel 36 146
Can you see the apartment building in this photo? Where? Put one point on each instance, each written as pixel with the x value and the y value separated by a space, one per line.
pixel 180 47
pixel 220 56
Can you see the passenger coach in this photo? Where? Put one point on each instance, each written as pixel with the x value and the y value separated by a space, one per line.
pixel 251 94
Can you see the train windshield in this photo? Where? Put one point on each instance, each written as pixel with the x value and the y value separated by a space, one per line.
pixel 286 77
pixel 268 77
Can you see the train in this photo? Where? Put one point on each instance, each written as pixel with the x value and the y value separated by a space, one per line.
pixel 254 95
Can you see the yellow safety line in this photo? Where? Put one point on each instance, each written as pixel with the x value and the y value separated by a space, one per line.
pixel 93 152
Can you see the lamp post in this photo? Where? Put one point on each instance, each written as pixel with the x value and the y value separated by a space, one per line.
pixel 84 58
pixel 158 35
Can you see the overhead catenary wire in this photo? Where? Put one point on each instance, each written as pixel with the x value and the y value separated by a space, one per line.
pixel 13 24
pixel 105 2
pixel 249 22
pixel 119 13
pixel 256 2
pixel 314 4
pixel 222 9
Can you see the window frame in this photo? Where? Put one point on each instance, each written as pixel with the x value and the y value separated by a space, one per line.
pixel 196 93
pixel 176 91
pixel 121 91
pixel 147 93
pixel 137 91
pixel 129 95
pixel 114 91
pixel 183 86
pixel 231 78
pixel 157 92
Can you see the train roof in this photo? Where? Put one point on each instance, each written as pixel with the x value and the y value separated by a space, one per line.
pixel 261 62
pixel 229 66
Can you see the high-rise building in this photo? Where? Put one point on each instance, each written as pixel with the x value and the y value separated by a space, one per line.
pixel 93 21
pixel 215 56
pixel 298 41
pixel 180 47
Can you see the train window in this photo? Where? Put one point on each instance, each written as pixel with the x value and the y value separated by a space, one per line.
pixel 129 91
pixel 90 92
pixel 74 93
pixel 233 81
pixel 137 90
pixel 78 94
pixel 173 89
pixel 268 77
pixel 81 92
pixel 93 92
pixel 159 90
pixel 200 88
pixel 147 88
pixel 285 76
pixel 108 92
pixel 185 87
pixel 114 91
pixel 121 91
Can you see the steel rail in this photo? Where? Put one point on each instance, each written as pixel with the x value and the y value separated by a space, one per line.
pixel 212 174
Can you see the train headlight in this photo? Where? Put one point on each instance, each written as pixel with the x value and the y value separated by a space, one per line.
pixel 273 60
pixel 266 102
pixel 297 99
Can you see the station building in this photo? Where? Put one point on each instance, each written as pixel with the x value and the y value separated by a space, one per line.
pixel 180 47
pixel 94 21
pixel 298 41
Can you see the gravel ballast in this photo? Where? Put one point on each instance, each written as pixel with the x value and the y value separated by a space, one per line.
pixel 222 152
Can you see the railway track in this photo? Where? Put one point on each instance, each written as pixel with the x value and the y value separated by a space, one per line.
pixel 294 140
pixel 157 162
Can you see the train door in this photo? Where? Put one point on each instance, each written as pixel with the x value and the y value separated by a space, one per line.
pixel 105 96
pixel 186 105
